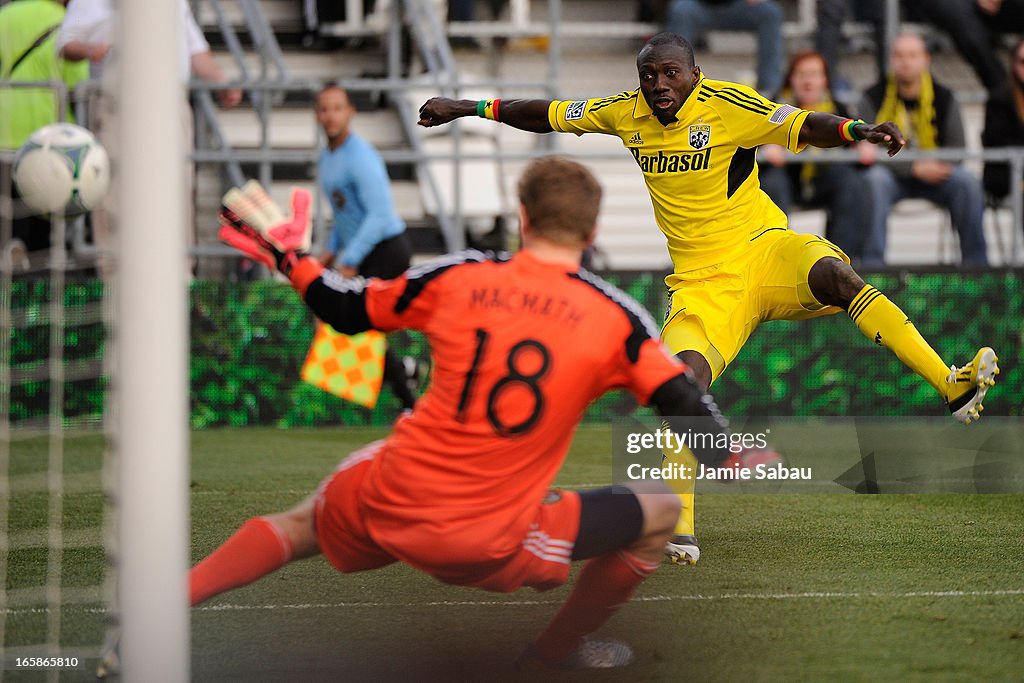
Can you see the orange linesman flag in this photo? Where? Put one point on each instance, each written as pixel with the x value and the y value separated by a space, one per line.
pixel 351 367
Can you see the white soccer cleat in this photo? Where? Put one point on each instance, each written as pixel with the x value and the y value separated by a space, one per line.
pixel 682 549
pixel 591 654
pixel 110 657
pixel 967 386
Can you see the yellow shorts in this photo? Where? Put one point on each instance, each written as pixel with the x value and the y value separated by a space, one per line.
pixel 715 309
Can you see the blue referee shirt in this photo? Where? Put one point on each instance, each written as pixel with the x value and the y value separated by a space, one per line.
pixel 355 180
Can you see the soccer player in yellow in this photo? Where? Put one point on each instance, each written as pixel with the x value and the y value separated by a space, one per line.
pixel 736 263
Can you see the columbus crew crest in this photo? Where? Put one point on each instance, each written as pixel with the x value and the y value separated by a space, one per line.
pixel 700 136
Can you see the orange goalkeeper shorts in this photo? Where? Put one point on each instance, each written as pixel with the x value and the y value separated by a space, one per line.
pixel 348 539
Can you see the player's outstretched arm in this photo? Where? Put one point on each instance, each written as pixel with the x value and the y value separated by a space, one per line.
pixel 340 302
pixel 254 225
pixel 679 400
pixel 528 115
pixel 828 130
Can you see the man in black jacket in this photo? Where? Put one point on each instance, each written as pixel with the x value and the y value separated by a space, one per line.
pixel 975 26
pixel 1004 123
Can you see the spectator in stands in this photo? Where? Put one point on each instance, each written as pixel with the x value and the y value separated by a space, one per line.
pixel 975 27
pixel 928 114
pixel 28 35
pixel 651 11
pixel 88 31
pixel 1004 124
pixel 465 10
pixel 87 34
pixel 828 39
pixel 837 186
pixel 691 18
pixel 368 237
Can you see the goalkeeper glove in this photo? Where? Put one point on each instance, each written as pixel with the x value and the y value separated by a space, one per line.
pixel 252 223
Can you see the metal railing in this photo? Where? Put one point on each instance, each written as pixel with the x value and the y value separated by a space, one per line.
pixel 442 77
pixel 212 145
pixel 1014 156
pixel 272 68
pixel 420 157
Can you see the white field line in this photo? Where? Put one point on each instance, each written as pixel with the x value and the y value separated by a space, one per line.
pixel 721 487
pixel 814 595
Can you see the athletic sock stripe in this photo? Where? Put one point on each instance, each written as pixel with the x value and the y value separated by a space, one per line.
pixel 863 294
pixel 857 305
pixel 861 300
pixel 641 568
pixel 282 538
pixel 864 306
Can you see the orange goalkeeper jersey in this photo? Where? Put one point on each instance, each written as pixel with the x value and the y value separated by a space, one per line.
pixel 520 348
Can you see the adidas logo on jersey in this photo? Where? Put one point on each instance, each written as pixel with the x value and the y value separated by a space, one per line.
pixel 636 139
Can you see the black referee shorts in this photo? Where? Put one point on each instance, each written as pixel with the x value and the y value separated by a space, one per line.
pixel 389 259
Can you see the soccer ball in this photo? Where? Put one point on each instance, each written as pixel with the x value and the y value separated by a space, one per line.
pixel 62 168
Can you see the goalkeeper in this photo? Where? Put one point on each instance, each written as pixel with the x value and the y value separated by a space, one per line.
pixel 460 489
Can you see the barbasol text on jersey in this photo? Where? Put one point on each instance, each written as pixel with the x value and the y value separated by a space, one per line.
pixel 672 163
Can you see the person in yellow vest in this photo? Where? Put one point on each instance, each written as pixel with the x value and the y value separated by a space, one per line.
pixel 28 53
pixel 89 34
pixel 928 114
pixel 736 262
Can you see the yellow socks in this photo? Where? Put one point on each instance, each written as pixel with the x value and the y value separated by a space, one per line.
pixel 881 321
pixel 685 524
pixel 683 488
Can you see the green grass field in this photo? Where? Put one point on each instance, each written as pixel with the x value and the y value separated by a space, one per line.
pixel 790 587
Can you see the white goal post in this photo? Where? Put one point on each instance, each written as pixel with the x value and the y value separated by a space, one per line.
pixel 151 382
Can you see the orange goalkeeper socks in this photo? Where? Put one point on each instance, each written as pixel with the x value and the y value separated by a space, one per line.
pixel 605 584
pixel 256 549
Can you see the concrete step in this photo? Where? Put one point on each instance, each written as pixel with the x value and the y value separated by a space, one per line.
pixel 282 15
pixel 920 233
pixel 312 65
pixel 297 128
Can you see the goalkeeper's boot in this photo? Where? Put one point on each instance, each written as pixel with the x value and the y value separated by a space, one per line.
pixel 682 549
pixel 416 372
pixel 110 657
pixel 591 654
pixel 966 387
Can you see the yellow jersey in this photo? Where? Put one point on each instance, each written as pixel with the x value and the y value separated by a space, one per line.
pixel 700 169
